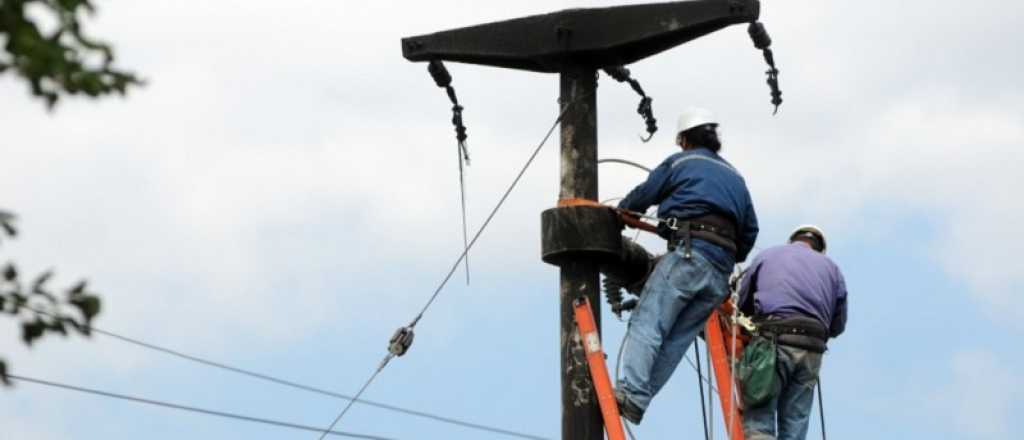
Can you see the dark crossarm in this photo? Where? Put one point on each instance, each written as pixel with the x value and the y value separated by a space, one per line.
pixel 581 38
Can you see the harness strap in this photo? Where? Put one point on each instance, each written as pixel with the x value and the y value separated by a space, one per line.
pixel 799 332
pixel 711 228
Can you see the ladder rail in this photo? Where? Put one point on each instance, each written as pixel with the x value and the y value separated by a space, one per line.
pixel 720 345
pixel 591 341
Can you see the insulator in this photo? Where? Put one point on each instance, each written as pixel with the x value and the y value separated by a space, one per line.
pixel 759 35
pixel 439 73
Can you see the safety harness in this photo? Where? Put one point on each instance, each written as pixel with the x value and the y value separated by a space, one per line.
pixel 716 229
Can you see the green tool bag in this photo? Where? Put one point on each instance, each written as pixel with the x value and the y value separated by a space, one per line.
pixel 759 382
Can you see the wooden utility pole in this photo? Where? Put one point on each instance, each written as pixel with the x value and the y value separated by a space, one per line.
pixel 581 415
pixel 575 44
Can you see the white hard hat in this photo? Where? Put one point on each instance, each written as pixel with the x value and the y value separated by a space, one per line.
pixel 694 117
pixel 809 229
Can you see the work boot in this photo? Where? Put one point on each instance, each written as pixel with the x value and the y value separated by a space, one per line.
pixel 628 409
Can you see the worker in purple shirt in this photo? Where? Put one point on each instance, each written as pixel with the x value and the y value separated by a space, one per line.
pixel 797 294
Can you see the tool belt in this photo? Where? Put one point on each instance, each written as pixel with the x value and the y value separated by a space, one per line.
pixel 798 331
pixel 715 229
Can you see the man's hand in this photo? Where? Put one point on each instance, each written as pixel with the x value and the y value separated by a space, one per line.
pixel 635 222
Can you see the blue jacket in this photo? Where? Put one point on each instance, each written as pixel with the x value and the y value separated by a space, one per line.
pixel 698 182
pixel 794 280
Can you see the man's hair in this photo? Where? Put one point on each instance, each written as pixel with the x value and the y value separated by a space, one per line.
pixel 703 136
pixel 811 239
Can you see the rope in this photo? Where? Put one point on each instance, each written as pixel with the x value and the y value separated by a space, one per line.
pixel 618 362
pixel 299 386
pixel 191 408
pixel 455 266
pixel 732 365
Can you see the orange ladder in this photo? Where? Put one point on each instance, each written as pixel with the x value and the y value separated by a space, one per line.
pixel 598 370
pixel 718 337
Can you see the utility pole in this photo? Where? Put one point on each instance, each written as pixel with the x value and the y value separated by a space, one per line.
pixel 575 44
pixel 581 415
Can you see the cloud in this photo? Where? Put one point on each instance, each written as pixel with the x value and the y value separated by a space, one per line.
pixel 286 173
pixel 982 397
pixel 931 153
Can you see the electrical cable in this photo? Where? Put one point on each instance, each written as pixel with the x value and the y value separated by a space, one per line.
pixel 618 362
pixel 393 352
pixel 624 162
pixel 299 386
pixel 821 410
pixel 360 393
pixel 711 387
pixel 462 196
pixel 443 79
pixel 711 398
pixel 494 211
pixel 700 389
pixel 192 408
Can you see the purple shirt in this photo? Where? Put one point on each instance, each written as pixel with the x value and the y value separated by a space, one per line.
pixel 794 280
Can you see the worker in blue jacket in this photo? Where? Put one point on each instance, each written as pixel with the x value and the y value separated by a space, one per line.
pixel 797 296
pixel 709 222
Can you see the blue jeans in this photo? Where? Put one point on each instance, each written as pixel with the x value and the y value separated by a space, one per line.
pixel 674 305
pixel 791 409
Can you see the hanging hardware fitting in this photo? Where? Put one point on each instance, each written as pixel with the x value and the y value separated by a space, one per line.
pixel 644 109
pixel 762 41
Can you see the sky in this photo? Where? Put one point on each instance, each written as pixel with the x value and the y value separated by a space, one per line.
pixel 280 196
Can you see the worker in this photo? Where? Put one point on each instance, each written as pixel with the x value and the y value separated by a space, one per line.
pixel 798 298
pixel 709 222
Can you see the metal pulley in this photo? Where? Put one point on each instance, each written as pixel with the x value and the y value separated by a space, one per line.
pixel 401 341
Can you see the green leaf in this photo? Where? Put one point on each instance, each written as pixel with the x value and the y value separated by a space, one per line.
pixel 78 289
pixel 9 228
pixel 10 273
pixel 19 302
pixel 57 326
pixel 7 218
pixel 39 283
pixel 30 331
pixel 3 373
pixel 87 304
pixel 83 329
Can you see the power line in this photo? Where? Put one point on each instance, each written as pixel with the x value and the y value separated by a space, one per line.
pixel 193 409
pixel 494 211
pixel 624 162
pixel 303 387
pixel 393 353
